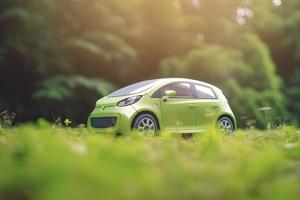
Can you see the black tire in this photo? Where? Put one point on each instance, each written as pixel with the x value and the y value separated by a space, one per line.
pixel 145 123
pixel 226 125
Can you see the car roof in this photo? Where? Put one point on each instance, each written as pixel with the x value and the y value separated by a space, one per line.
pixel 170 80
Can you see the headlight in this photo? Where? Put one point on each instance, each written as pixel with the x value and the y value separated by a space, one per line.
pixel 129 101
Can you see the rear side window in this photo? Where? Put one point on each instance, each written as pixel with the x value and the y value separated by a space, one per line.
pixel 203 92
pixel 183 90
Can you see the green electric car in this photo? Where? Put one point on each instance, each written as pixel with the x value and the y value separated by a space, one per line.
pixel 174 105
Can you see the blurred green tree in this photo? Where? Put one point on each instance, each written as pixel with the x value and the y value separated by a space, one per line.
pixel 60 95
pixel 43 41
pixel 277 23
pixel 245 47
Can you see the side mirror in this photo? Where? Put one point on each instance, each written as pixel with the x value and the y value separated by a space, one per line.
pixel 168 94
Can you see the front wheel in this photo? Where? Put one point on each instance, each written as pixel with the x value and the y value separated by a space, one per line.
pixel 226 125
pixel 146 124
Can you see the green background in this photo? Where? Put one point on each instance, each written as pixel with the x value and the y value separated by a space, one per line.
pixel 57 57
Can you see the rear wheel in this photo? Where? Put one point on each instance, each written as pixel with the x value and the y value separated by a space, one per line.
pixel 226 125
pixel 146 124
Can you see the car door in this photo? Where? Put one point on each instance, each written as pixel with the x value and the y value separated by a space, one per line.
pixel 179 112
pixel 207 106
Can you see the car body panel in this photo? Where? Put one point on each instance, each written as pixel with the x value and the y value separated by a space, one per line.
pixel 123 114
pixel 207 111
pixel 151 105
pixel 174 115
pixel 178 114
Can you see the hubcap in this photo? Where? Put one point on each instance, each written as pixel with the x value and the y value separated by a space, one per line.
pixel 147 126
pixel 226 125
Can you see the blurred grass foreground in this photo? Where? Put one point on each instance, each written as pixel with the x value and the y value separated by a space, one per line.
pixel 45 162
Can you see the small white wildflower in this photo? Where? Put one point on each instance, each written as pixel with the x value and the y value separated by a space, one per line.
pixel 277 2
pixel 290 145
pixel 78 148
pixel 265 108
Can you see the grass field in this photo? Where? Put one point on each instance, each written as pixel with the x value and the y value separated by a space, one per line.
pixel 44 162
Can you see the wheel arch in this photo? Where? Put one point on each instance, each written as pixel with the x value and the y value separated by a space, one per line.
pixel 230 117
pixel 145 112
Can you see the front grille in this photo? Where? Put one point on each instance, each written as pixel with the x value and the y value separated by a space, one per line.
pixel 103 122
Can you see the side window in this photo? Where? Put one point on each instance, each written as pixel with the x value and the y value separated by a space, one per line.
pixel 203 92
pixel 183 90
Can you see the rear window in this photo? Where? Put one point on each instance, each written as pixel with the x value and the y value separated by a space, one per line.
pixel 203 92
pixel 134 88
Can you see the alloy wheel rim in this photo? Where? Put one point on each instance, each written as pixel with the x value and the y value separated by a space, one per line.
pixel 147 126
pixel 226 125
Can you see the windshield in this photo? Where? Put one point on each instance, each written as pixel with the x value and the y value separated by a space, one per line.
pixel 134 88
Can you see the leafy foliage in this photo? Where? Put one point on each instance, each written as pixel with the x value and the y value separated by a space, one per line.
pixel 61 94
pixel 248 48
pixel 279 28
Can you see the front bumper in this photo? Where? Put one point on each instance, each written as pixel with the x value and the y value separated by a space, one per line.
pixel 124 117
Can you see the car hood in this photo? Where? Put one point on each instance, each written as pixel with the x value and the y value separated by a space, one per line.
pixel 112 101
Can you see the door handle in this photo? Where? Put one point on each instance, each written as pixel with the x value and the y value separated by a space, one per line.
pixel 192 105
pixel 215 106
